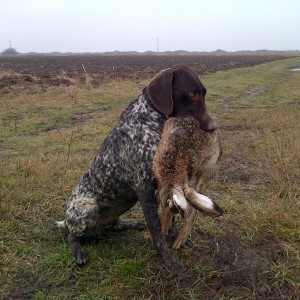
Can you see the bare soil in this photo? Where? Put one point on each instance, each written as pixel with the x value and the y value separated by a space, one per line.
pixel 44 71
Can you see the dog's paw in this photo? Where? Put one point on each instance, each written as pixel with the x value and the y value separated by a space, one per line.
pixel 80 258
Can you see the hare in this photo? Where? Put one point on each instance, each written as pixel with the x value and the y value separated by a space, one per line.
pixel 184 162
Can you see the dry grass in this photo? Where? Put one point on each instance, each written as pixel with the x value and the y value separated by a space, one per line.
pixel 47 140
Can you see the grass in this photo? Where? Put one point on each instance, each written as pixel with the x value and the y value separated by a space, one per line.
pixel 48 138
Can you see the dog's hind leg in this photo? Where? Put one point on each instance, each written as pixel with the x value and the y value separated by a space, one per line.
pixel 76 248
pixel 82 218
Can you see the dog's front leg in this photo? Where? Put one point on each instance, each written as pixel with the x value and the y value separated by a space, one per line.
pixel 146 196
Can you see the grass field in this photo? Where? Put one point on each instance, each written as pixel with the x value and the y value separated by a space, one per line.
pixel 47 140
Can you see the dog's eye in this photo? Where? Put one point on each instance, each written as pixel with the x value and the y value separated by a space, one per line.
pixel 194 95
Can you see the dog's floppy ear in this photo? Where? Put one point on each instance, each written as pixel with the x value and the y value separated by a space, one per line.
pixel 160 92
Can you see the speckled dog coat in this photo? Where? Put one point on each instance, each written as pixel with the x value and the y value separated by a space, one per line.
pixel 122 166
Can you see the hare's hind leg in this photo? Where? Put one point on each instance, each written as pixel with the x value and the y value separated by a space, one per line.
pixel 186 229
pixel 166 220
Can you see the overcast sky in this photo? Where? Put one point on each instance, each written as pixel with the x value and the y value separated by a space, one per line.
pixel 135 25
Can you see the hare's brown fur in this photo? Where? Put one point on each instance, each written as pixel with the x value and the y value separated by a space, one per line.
pixel 185 159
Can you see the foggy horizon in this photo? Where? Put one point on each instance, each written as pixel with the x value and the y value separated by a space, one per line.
pixel 180 51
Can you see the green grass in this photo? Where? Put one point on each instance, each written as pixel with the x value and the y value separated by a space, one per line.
pixel 47 139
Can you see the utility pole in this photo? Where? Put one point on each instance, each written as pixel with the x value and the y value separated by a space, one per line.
pixel 157 45
pixel 9 44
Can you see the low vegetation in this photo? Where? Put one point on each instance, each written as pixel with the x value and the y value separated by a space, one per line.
pixel 49 136
pixel 10 51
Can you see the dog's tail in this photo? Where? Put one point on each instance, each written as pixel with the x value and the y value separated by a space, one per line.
pixel 61 224
pixel 202 203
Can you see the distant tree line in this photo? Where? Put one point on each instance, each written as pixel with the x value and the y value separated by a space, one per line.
pixel 10 50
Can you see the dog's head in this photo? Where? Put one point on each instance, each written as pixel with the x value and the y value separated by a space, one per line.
pixel 178 91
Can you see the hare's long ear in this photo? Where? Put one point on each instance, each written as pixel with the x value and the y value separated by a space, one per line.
pixel 180 202
pixel 160 92
pixel 203 203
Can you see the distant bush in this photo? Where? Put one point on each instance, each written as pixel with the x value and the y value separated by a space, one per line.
pixel 10 51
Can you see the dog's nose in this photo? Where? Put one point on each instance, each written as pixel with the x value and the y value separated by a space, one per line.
pixel 206 122
pixel 211 127
pixel 208 127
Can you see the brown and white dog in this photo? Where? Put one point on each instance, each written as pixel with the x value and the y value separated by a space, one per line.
pixel 121 173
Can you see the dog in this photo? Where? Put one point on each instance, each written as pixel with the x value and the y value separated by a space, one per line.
pixel 121 174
